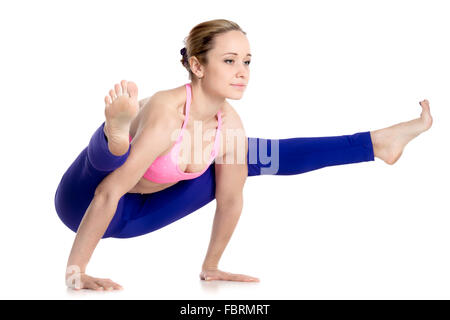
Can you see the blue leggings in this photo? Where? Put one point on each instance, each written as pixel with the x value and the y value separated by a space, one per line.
pixel 138 214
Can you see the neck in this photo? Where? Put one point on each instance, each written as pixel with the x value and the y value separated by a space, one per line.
pixel 204 105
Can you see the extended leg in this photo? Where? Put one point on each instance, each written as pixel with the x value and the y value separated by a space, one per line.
pixel 299 155
pixel 284 157
pixel 277 157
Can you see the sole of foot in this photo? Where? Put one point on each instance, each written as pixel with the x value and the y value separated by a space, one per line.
pixel 121 107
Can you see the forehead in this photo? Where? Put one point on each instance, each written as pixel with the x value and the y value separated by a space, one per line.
pixel 232 41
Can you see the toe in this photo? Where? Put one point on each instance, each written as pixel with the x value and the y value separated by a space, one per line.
pixel 124 87
pixel 425 106
pixel 118 89
pixel 112 93
pixel 107 100
pixel 132 89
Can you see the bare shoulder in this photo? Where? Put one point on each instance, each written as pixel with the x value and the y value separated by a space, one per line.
pixel 232 129
pixel 231 119
pixel 159 111
pixel 168 100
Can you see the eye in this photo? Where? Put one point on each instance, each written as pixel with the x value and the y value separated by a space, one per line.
pixel 248 62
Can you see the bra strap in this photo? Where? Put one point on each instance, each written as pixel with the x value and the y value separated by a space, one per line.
pixel 188 104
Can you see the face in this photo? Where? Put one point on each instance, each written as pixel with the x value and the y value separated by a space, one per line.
pixel 228 65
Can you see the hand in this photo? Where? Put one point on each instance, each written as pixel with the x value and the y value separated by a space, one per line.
pixel 80 280
pixel 216 274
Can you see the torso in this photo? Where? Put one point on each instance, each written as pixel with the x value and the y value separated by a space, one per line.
pixel 177 99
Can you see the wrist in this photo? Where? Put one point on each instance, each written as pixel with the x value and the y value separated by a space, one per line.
pixel 209 267
pixel 74 269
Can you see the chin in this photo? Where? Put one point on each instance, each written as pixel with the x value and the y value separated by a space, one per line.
pixel 235 97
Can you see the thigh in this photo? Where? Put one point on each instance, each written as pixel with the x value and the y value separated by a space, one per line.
pixel 76 190
pixel 78 184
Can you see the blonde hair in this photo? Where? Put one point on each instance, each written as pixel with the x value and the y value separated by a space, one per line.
pixel 201 40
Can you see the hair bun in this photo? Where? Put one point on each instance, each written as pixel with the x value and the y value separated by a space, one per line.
pixel 183 51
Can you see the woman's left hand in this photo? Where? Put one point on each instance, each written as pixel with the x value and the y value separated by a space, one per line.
pixel 216 274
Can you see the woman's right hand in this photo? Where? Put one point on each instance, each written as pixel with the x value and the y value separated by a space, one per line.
pixel 80 280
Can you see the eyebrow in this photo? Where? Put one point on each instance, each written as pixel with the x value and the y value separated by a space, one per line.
pixel 248 54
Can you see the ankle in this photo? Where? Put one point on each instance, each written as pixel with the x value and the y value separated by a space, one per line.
pixel 381 149
pixel 376 142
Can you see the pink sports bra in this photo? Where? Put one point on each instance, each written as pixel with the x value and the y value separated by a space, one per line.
pixel 165 168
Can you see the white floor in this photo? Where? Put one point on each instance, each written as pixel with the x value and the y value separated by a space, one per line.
pixel 360 231
pixel 322 238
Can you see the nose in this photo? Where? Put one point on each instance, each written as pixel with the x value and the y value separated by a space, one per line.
pixel 242 72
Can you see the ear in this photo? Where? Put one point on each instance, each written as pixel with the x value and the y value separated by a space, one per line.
pixel 196 67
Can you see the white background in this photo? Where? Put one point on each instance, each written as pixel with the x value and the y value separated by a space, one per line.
pixel 319 68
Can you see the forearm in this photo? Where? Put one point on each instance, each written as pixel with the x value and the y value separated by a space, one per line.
pixel 92 227
pixel 225 221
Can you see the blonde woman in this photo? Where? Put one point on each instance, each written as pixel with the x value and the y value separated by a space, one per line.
pixel 131 179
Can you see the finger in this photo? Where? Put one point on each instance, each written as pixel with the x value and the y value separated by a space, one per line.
pixel 111 285
pixel 115 285
pixel 251 279
pixel 248 278
pixel 242 277
pixel 237 277
pixel 93 286
pixel 106 284
pixel 204 276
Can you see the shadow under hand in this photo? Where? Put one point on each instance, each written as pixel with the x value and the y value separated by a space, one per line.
pixel 214 286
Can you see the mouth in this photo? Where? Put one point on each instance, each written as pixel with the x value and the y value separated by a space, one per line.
pixel 239 85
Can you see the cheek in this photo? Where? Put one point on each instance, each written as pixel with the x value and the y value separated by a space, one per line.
pixel 220 72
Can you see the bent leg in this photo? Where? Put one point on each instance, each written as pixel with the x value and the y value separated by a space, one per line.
pixel 265 156
pixel 77 186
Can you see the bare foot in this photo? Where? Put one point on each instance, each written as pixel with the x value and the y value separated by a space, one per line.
pixel 388 143
pixel 120 109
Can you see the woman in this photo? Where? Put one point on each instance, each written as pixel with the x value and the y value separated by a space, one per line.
pixel 130 180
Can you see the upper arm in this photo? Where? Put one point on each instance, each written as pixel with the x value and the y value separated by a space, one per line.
pixel 231 169
pixel 153 138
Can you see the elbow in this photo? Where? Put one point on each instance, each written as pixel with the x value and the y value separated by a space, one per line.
pixel 106 194
pixel 229 202
pixel 103 206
